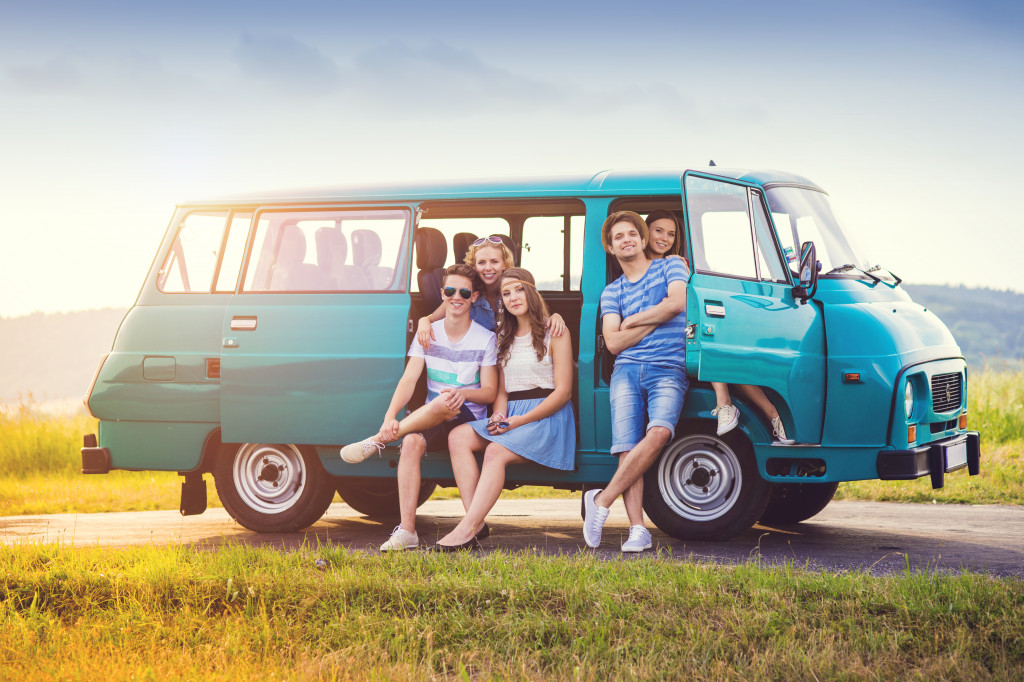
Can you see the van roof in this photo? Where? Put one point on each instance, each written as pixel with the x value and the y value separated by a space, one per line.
pixel 608 182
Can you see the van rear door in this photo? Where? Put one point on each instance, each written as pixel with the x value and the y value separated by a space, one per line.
pixel 747 326
pixel 314 340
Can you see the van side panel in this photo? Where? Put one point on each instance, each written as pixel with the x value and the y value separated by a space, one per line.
pixel 154 446
pixel 157 368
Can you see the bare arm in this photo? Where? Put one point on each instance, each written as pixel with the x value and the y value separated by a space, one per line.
pixel 424 334
pixel 670 306
pixel 485 394
pixel 618 339
pixel 403 393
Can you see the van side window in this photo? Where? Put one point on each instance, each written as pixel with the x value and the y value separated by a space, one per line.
pixel 772 269
pixel 329 251
pixel 544 251
pixel 192 260
pixel 720 228
pixel 234 249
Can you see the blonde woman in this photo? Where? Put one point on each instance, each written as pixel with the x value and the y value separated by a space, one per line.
pixel 533 418
pixel 489 257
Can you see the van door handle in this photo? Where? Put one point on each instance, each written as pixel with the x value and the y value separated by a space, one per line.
pixel 243 323
pixel 714 310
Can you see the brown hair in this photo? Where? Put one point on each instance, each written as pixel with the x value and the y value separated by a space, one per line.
pixel 463 270
pixel 506 254
pixel 509 324
pixel 662 214
pixel 618 217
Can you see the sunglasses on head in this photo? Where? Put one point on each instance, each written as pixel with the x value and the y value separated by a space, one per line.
pixel 464 293
pixel 494 239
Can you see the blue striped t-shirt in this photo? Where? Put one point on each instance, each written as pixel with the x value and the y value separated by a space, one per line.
pixel 666 345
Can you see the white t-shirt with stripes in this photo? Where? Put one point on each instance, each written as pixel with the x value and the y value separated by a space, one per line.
pixel 457 365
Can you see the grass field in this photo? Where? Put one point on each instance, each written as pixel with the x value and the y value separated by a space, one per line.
pixel 40 463
pixel 247 613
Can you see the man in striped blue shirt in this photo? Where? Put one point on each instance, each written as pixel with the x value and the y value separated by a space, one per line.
pixel 643 320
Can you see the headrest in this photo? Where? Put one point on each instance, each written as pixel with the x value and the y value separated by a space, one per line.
pixel 366 248
pixel 331 247
pixel 460 245
pixel 292 247
pixel 431 248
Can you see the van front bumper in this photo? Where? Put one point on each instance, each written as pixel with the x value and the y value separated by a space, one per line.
pixel 934 459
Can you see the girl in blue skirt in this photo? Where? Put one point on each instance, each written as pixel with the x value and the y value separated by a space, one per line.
pixel 532 420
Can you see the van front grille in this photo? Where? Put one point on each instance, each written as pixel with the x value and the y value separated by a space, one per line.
pixel 946 392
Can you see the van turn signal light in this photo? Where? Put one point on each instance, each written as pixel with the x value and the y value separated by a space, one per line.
pixel 912 433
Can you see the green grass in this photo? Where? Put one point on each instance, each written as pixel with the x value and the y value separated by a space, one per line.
pixel 252 613
pixel 40 463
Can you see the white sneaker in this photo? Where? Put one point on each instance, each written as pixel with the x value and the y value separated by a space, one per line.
pixel 639 539
pixel 594 517
pixel 780 432
pixel 728 418
pixel 357 452
pixel 400 539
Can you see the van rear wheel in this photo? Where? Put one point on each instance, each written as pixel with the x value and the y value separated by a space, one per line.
pixel 377 497
pixel 272 488
pixel 796 502
pixel 705 487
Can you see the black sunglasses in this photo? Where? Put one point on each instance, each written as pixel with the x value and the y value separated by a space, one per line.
pixel 464 293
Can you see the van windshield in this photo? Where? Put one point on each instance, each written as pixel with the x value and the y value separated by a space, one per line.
pixel 803 215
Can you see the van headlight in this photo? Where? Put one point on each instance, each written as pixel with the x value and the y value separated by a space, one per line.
pixel 908 399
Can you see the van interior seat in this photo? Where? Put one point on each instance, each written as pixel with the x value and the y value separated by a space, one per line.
pixel 431 253
pixel 366 253
pixel 290 272
pixel 460 245
pixel 331 251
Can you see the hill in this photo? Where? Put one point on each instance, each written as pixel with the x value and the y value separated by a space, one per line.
pixel 54 356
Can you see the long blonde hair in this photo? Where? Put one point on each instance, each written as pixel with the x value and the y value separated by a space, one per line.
pixel 509 324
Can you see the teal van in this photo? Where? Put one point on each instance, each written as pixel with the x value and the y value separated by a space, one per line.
pixel 271 330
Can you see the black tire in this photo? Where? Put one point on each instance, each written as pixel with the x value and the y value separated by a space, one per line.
pixel 796 502
pixel 377 497
pixel 272 488
pixel 705 487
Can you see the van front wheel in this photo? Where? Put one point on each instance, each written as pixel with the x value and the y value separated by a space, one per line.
pixel 272 488
pixel 705 487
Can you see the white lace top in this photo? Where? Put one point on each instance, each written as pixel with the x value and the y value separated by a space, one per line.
pixel 523 371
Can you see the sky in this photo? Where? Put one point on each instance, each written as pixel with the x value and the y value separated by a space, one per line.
pixel 907 113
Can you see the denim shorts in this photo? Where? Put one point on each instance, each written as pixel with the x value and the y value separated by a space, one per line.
pixel 644 394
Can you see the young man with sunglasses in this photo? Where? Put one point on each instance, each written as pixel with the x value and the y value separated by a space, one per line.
pixel 462 378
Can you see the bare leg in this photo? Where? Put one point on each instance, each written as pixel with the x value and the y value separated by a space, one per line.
pixel 463 441
pixel 433 413
pixel 721 393
pixel 414 446
pixel 633 498
pixel 633 464
pixel 492 481
pixel 758 397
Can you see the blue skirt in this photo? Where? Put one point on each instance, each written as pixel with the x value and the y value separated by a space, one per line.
pixel 550 441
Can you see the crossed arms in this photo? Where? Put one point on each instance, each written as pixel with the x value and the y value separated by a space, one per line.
pixel 621 334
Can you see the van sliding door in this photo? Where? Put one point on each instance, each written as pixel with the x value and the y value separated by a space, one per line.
pixel 314 341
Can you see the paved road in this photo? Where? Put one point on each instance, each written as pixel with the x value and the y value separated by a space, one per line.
pixel 878 537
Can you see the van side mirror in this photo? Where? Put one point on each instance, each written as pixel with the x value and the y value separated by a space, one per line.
pixel 809 267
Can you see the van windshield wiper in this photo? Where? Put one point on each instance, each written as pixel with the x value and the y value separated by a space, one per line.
pixel 851 266
pixel 892 274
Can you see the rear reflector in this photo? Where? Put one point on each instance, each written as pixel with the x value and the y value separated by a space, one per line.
pixel 213 368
